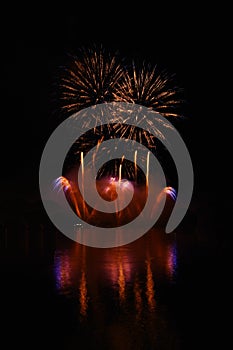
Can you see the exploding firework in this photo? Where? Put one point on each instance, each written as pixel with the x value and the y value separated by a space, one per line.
pixel 62 183
pixel 108 189
pixel 92 78
pixel 149 87
pixel 96 76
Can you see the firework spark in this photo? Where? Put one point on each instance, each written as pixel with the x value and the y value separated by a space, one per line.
pixel 92 78
pixel 62 183
pixel 96 76
pixel 149 87
pixel 108 189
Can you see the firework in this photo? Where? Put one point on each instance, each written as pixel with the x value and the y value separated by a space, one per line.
pixel 149 87
pixel 96 76
pixel 92 78
pixel 62 183
pixel 108 188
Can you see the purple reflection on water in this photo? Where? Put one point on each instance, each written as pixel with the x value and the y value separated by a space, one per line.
pixel 62 269
pixel 172 263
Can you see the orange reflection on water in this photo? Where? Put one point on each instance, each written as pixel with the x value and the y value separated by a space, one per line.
pixel 83 284
pixel 83 294
pixel 121 281
pixel 118 268
pixel 128 271
pixel 149 285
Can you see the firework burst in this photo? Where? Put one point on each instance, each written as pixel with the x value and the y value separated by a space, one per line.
pixel 92 78
pixel 151 88
pixel 95 76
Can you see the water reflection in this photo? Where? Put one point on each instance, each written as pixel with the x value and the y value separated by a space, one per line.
pixel 149 285
pixel 63 270
pixel 121 282
pixel 172 261
pixel 146 295
pixel 128 272
pixel 83 285
pixel 138 298
pixel 114 297
pixel 83 294
pixel 71 276
pixel 26 242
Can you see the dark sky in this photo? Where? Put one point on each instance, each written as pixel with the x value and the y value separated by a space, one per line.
pixel 35 45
